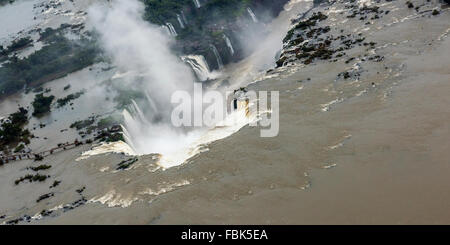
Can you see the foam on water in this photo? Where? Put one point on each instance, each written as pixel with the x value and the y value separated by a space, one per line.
pixel 162 190
pixel 114 147
pixel 113 199
pixel 200 66
pixel 189 144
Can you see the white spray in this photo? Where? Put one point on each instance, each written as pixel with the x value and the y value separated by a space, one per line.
pixel 143 51
pixel 200 66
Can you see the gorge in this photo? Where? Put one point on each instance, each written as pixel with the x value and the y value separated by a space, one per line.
pixel 87 134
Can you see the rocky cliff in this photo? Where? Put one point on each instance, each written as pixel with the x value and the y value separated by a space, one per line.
pixel 201 25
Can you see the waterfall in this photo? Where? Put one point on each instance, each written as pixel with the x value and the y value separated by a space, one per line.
pixel 184 17
pixel 180 21
pixel 250 12
pixel 151 102
pixel 166 29
pixel 173 32
pixel 197 3
pixel 151 66
pixel 230 46
pixel 218 58
pixel 199 65
pixel 131 124
pixel 125 133
pixel 137 110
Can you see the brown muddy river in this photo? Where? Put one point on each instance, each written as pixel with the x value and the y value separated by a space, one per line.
pixel 367 150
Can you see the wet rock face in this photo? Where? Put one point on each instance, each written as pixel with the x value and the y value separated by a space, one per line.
pixel 205 26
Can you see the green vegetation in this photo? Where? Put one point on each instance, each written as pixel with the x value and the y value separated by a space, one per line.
pixel 49 33
pixel 160 12
pixel 409 4
pixel 115 137
pixel 55 184
pixel 41 167
pixel 19 117
pixel 11 131
pixel 58 58
pixel 108 137
pixel 38 90
pixel 19 148
pixel 107 129
pixel 4 2
pixel 41 104
pixel 79 191
pixel 38 157
pixel 62 102
pixel 303 25
pixel 124 96
pixel 289 35
pixel 31 178
pixel 125 164
pixel 82 124
pixel 207 24
pixel 309 51
pixel 107 122
pixel 17 45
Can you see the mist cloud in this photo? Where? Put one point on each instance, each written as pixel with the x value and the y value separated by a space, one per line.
pixel 140 48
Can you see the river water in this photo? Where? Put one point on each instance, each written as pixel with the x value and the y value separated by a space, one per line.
pixel 371 150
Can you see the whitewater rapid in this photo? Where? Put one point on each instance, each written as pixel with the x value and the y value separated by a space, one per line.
pixel 198 139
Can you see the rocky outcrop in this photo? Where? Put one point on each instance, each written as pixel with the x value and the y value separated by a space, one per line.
pixel 312 37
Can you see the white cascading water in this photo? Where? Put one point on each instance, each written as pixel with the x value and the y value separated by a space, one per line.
pixel 146 137
pixel 166 30
pixel 151 103
pixel 138 112
pixel 229 44
pixel 218 58
pixel 141 52
pixel 200 66
pixel 173 32
pixel 184 17
pixel 173 146
pixel 197 3
pixel 142 55
pixel 250 12
pixel 180 21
